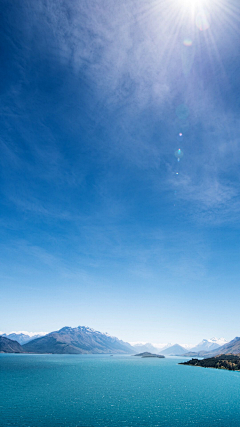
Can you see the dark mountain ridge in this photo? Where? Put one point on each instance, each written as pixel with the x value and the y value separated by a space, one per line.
pixel 10 346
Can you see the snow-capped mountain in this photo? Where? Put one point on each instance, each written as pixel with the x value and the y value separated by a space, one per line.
pixel 208 345
pixel 80 340
pixel 22 337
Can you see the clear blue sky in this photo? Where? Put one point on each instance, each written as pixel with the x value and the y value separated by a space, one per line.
pixel 101 225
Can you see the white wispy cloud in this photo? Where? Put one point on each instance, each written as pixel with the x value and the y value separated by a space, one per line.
pixel 129 64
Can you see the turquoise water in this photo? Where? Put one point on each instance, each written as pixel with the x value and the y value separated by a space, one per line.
pixel 118 391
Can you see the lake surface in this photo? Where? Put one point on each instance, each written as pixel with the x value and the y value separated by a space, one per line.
pixel 118 391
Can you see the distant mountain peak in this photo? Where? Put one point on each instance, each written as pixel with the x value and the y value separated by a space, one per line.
pixel 174 350
pixel 209 345
pixel 79 340
pixel 23 337
pixel 30 334
pixel 231 347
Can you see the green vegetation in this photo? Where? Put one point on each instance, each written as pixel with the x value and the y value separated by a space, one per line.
pixel 230 362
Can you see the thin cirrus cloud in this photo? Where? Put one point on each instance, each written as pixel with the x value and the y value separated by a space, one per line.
pixel 122 56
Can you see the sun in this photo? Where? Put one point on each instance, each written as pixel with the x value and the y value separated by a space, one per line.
pixel 192 7
pixel 190 4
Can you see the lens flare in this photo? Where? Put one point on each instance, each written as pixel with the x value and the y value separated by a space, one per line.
pixel 178 154
pixel 180 137
pixel 202 21
pixel 187 42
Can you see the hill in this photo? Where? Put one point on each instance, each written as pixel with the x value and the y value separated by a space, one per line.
pixel 80 340
pixel 10 346
pixel 174 350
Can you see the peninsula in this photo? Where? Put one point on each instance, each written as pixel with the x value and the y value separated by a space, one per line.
pixel 230 362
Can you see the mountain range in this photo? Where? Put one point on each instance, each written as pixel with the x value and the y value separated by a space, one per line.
pixel 80 340
pixel 209 345
pixel 84 340
pixel 23 337
pixel 178 350
pixel 232 347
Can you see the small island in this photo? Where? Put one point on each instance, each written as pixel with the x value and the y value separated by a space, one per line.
pixel 230 362
pixel 146 354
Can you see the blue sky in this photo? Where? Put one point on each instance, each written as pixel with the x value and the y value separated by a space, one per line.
pixel 101 225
